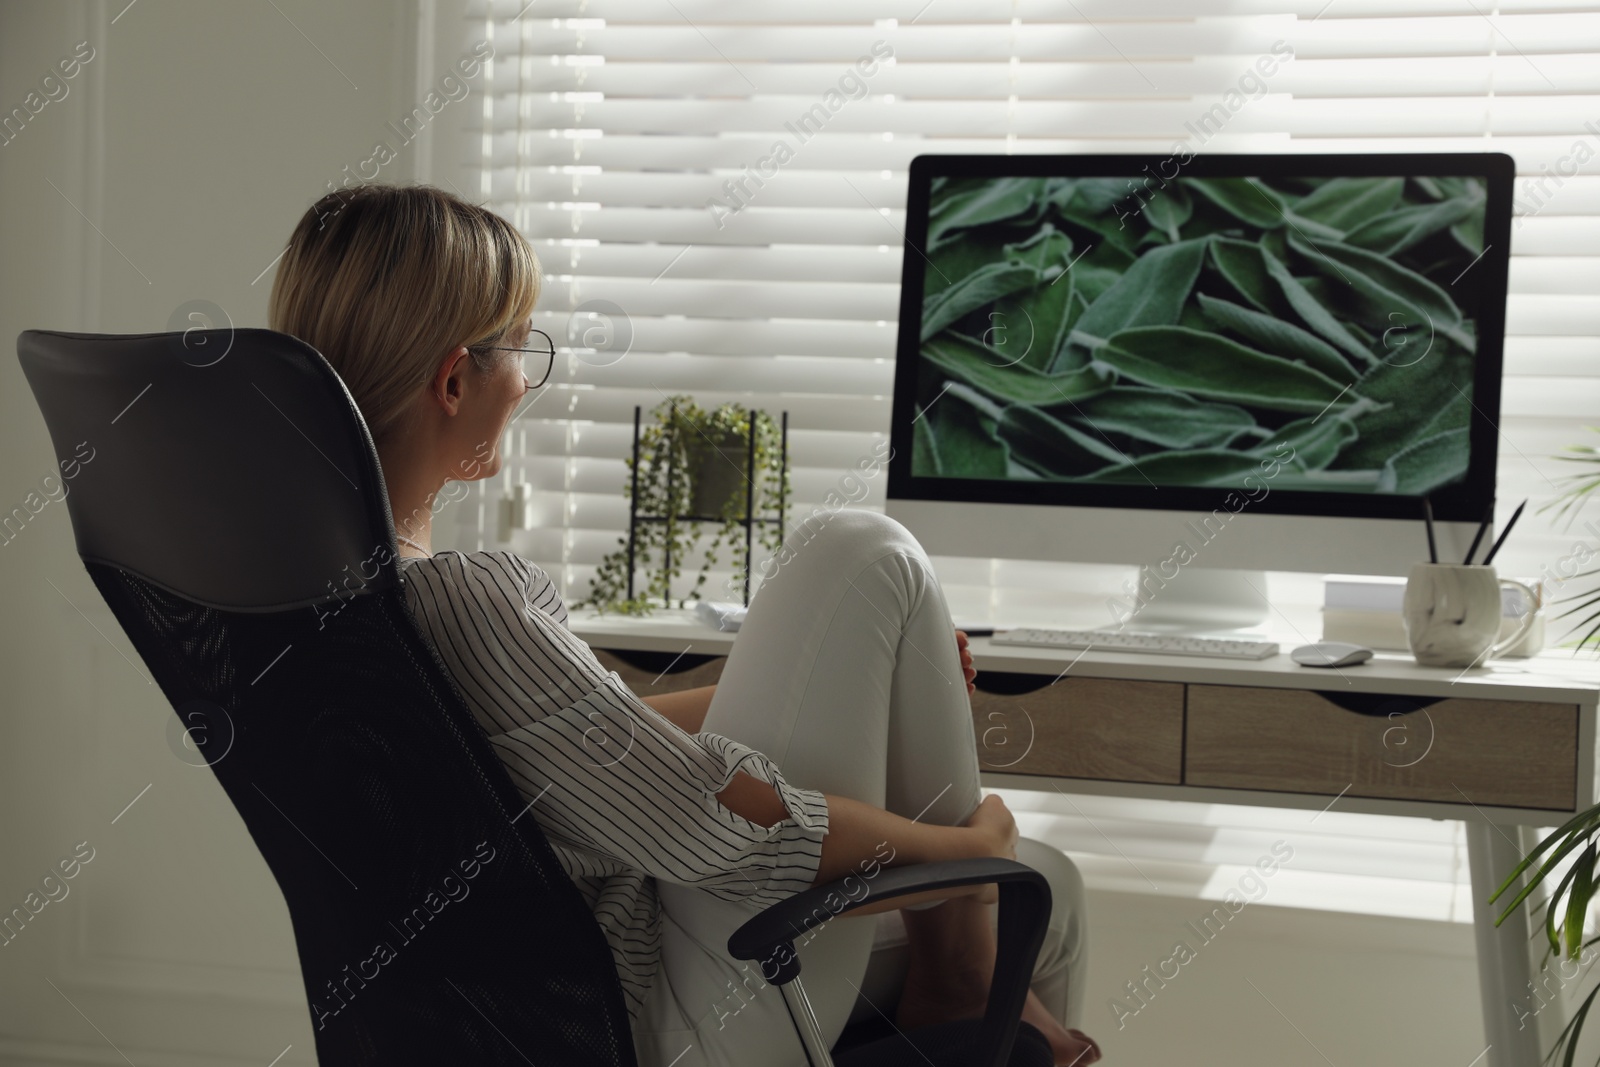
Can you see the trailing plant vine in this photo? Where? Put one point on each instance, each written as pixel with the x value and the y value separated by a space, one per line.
pixel 685 448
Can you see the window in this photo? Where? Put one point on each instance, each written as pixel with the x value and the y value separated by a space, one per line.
pixel 638 145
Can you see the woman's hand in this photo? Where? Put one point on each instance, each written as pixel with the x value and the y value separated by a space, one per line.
pixel 998 828
pixel 967 668
pixel 994 821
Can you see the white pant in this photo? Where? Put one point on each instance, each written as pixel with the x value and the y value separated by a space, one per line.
pixel 846 674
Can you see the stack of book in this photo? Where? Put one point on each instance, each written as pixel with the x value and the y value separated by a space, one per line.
pixel 1365 610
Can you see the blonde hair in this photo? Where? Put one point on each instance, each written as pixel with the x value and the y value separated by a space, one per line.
pixel 384 280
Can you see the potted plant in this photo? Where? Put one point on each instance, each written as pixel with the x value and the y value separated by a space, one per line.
pixel 1566 908
pixel 1580 485
pixel 693 467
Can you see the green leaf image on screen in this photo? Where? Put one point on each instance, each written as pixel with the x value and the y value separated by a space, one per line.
pixel 1107 330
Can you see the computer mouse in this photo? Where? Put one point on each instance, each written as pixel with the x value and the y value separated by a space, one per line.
pixel 1331 654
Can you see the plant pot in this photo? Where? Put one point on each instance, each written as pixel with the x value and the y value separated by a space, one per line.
pixel 718 473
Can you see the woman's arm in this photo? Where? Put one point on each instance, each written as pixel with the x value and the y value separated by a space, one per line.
pixel 861 836
pixel 686 708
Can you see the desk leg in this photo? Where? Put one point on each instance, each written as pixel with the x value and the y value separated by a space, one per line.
pixel 1504 969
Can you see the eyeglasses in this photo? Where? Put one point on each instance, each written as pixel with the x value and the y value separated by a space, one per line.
pixel 545 350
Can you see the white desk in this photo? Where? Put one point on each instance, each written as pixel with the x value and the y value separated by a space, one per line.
pixel 1499 748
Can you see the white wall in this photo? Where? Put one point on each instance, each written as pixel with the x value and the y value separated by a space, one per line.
pixel 181 156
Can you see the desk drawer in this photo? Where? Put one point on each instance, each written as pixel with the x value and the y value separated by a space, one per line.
pixel 1101 728
pixel 643 671
pixel 1509 753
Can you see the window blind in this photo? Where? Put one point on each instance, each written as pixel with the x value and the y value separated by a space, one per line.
pixel 635 142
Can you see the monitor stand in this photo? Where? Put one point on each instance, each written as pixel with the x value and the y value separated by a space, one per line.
pixel 1195 600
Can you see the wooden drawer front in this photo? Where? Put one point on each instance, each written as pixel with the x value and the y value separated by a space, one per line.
pixel 642 671
pixel 1508 753
pixel 1079 727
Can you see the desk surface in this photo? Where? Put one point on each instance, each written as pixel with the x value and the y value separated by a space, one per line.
pixel 1554 676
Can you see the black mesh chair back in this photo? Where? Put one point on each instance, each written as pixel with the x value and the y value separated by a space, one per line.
pixel 235 519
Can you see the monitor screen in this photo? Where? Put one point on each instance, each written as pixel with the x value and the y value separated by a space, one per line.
pixel 1099 332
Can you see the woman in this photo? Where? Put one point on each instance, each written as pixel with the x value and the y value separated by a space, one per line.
pixel 680 816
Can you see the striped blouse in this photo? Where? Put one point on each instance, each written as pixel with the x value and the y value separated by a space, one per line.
pixel 623 795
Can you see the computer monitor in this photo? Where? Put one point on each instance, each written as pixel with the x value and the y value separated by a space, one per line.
pixel 1190 362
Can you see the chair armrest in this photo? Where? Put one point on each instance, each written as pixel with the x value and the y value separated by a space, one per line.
pixel 1024 916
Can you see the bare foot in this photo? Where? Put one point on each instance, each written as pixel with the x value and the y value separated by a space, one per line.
pixel 924 1002
pixel 1072 1048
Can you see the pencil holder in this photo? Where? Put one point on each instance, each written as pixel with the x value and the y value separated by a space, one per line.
pixel 1452 614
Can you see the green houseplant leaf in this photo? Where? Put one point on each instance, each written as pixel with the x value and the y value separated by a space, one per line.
pixel 1048 252
pixel 984 202
pixel 1566 838
pixel 1469 233
pixel 1152 292
pixel 1094 196
pixel 967 361
pixel 982 287
pixel 1580 483
pixel 1578 898
pixel 1426 465
pixel 1038 260
pixel 1241 265
pixel 1032 325
pixel 1279 338
pixel 1563 921
pixel 1212 367
pixel 663 485
pixel 1202 467
pixel 1051 446
pixel 956 259
pixel 1168 210
pixel 1312 312
pixel 1345 203
pixel 1167 419
pixel 1385 289
pixel 964 435
pixel 1317 442
pixel 1246 199
pixel 1091 281
pixel 924 450
pixel 1416 394
pixel 1401 229
pixel 1318 439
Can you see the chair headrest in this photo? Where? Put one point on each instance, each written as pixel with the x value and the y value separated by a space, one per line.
pixel 231 467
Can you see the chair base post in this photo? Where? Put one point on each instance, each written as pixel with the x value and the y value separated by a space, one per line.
pixel 818 1053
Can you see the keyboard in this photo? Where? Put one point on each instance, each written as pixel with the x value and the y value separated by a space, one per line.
pixel 1129 641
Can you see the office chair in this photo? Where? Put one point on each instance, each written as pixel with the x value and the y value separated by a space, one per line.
pixel 235 520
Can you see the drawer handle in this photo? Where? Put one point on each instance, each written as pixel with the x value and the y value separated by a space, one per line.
pixel 1011 683
pixel 1380 705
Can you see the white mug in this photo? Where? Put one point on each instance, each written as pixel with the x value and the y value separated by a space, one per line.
pixel 1452 614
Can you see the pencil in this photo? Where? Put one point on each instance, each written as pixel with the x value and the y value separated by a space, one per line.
pixel 1498 541
pixel 1482 528
pixel 1427 516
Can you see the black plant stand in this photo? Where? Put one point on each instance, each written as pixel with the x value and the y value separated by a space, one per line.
pixel 748 522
